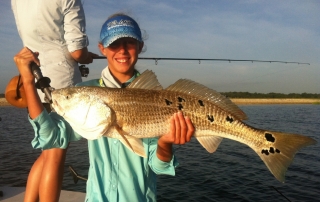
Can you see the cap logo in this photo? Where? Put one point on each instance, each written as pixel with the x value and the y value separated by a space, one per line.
pixel 116 23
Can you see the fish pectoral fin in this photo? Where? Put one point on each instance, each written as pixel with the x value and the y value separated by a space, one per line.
pixel 134 144
pixel 210 143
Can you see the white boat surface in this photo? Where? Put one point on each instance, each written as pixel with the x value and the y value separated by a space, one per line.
pixel 14 194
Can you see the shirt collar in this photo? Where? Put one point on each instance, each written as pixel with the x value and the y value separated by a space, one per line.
pixel 107 80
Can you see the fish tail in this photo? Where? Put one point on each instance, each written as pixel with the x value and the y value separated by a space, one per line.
pixel 279 155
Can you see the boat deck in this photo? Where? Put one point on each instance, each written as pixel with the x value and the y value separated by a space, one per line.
pixel 13 194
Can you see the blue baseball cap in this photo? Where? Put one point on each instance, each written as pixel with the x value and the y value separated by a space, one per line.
pixel 119 27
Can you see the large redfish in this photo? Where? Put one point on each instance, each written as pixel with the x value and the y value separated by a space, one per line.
pixel 143 110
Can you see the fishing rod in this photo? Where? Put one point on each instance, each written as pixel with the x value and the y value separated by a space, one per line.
pixel 85 70
pixel 204 59
pixel 75 175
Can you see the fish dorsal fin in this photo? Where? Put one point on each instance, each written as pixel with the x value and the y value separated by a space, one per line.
pixel 205 93
pixel 147 80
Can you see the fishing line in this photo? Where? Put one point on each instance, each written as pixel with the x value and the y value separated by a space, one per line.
pixel 280 193
pixel 276 191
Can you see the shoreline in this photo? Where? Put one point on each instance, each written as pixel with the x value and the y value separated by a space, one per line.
pixel 244 101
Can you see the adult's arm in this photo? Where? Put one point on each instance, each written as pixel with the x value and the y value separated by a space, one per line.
pixel 83 56
pixel 75 31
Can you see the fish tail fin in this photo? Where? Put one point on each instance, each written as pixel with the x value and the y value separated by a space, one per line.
pixel 279 156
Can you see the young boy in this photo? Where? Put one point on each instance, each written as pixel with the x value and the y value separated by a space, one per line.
pixel 115 173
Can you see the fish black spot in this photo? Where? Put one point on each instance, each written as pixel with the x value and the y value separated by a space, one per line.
pixel 210 118
pixel 201 103
pixel 278 151
pixel 180 106
pixel 269 137
pixel 271 150
pixel 265 151
pixel 180 99
pixel 229 119
pixel 168 102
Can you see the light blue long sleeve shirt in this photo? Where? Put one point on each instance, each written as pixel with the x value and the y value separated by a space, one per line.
pixel 115 172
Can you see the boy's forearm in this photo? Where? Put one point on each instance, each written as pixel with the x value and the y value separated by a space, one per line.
pixel 24 60
pixel 35 106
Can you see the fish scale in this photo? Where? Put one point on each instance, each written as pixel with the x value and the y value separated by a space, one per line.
pixel 143 114
pixel 144 111
pixel 150 110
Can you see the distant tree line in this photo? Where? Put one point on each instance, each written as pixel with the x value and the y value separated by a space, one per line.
pixel 261 95
pixel 269 95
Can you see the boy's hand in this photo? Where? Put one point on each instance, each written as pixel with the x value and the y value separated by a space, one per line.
pixel 23 61
pixel 181 131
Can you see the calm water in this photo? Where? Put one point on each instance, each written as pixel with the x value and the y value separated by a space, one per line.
pixel 233 173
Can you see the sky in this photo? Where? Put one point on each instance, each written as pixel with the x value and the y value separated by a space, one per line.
pixel 269 30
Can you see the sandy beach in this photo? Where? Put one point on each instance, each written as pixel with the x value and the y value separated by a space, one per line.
pixel 3 102
pixel 242 101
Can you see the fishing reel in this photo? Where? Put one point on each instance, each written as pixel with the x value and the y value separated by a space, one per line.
pixel 84 70
pixel 43 83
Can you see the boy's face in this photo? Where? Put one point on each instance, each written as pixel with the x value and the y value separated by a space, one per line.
pixel 122 55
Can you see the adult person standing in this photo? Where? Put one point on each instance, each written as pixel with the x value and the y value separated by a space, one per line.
pixel 115 172
pixel 56 30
